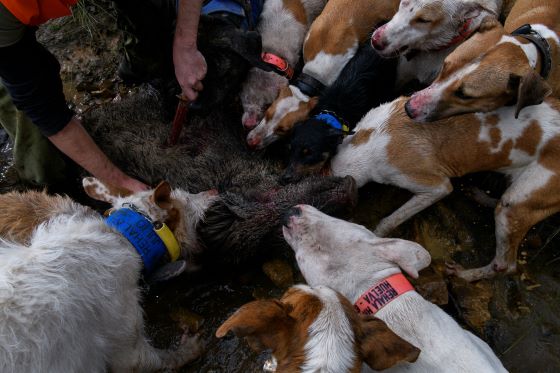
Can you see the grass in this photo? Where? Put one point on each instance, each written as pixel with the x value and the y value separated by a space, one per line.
pixel 86 13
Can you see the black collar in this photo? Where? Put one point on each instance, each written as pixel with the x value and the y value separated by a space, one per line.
pixel 527 32
pixel 308 85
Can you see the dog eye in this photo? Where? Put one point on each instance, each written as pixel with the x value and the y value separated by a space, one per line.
pixel 422 20
pixel 460 94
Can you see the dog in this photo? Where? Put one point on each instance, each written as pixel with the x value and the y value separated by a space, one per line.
pixel 428 25
pixel 315 329
pixel 332 41
pixel 515 64
pixel 69 280
pixel 364 83
pixel 282 26
pixel 244 221
pixel 390 148
pixel 367 270
pixel 424 32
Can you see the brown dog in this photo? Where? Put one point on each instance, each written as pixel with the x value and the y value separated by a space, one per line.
pixel 499 66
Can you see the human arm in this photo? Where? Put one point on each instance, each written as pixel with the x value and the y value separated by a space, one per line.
pixel 190 65
pixel 31 75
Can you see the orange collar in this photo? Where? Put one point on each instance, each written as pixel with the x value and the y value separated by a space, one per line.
pixel 281 66
pixel 382 293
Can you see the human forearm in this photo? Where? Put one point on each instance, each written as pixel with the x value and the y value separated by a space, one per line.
pixel 75 142
pixel 190 65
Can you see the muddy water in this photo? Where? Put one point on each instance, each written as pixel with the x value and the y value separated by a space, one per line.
pixel 519 315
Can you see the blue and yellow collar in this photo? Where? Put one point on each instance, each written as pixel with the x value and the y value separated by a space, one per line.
pixel 152 240
pixel 334 121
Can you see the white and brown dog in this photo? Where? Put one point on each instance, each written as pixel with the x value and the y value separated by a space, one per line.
pixel 515 64
pixel 282 26
pixel 332 41
pixel 316 329
pixel 69 281
pixel 432 25
pixel 424 32
pixel 390 148
pixel 367 270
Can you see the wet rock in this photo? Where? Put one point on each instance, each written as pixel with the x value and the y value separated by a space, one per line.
pixel 279 272
pixel 431 285
pixel 187 320
pixel 472 301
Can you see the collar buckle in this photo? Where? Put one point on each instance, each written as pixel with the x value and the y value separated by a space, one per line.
pixel 280 65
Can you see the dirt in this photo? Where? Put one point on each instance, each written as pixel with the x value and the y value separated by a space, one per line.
pixel 518 315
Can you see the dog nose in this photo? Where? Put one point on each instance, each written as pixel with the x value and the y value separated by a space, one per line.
pixel 410 110
pixel 294 211
pixel 253 142
pixel 377 41
pixel 250 121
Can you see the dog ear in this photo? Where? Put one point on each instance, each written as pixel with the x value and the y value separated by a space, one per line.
pixel 264 323
pixel 99 191
pixel 469 10
pixel 409 256
pixel 312 103
pixel 162 195
pixel 381 348
pixel 532 89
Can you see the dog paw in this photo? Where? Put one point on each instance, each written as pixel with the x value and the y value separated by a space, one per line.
pixel 452 268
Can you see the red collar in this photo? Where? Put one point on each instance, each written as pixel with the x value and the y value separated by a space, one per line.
pixel 463 33
pixel 282 66
pixel 382 293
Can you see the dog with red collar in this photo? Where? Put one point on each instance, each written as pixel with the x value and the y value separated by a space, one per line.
pixel 282 26
pixel 514 64
pixel 332 41
pixel 366 269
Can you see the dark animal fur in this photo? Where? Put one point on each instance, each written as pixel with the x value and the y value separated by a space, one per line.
pixel 366 82
pixel 211 154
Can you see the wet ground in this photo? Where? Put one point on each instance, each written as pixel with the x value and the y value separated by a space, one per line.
pixel 519 315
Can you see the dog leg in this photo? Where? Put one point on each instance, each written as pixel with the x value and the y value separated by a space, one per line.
pixel 526 202
pixel 417 203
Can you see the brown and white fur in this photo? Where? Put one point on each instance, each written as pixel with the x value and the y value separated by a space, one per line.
pixel 315 329
pixel 69 283
pixel 494 68
pixel 390 148
pixel 282 26
pixel 430 25
pixel 350 259
pixel 332 41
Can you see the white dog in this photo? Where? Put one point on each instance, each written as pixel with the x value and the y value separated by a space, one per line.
pixel 350 259
pixel 69 297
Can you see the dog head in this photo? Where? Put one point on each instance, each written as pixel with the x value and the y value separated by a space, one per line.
pixel 258 92
pixel 345 256
pixel 426 25
pixel 311 146
pixel 290 107
pixel 317 330
pixel 179 210
pixel 488 71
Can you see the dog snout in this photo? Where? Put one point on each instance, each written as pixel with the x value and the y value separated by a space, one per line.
pixel 378 42
pixel 249 121
pixel 253 142
pixel 410 111
pixel 287 218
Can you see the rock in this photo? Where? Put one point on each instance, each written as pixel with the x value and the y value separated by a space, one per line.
pixel 431 285
pixel 473 300
pixel 279 272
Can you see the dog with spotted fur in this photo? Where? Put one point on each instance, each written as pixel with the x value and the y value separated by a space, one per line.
pixel 69 281
pixel 516 64
pixel 390 148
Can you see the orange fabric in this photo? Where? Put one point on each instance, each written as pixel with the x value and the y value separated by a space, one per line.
pixel 382 293
pixel 36 12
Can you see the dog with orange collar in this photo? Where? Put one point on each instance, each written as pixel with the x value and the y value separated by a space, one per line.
pixel 282 26
pixel 366 269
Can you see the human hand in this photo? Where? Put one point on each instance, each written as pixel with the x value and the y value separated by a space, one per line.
pixel 128 183
pixel 190 69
